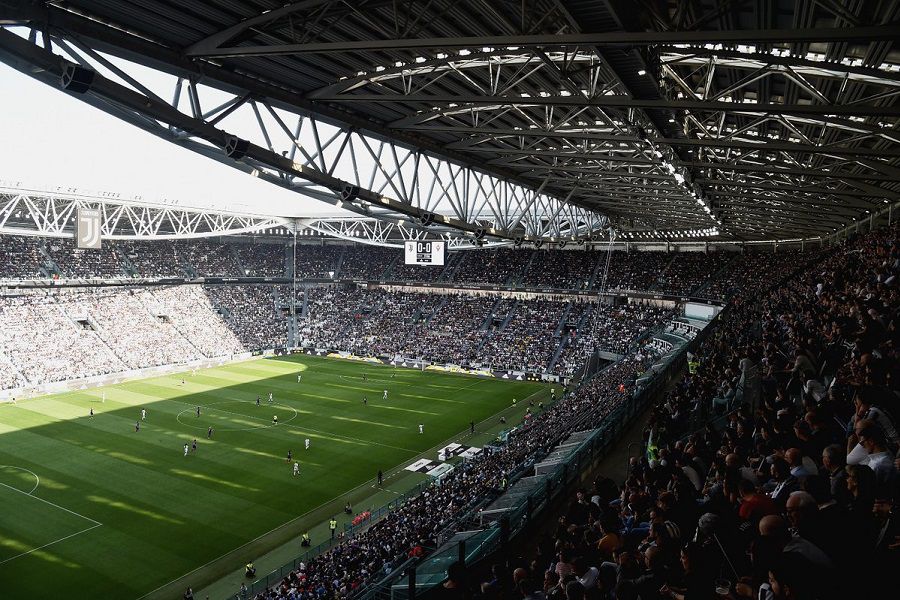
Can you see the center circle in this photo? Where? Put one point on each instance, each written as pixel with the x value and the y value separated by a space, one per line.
pixel 263 424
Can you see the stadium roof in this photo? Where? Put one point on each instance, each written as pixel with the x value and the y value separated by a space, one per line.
pixel 539 118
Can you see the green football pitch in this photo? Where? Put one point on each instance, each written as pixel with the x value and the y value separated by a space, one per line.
pixel 92 508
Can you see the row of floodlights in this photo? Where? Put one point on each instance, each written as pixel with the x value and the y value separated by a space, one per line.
pixel 662 235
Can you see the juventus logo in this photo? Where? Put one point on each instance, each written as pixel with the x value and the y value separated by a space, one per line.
pixel 87 230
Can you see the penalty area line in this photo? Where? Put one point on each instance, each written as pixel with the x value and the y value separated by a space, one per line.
pixel 96 523
pixel 62 539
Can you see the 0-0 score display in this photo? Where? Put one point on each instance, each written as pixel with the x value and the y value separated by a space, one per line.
pixel 425 253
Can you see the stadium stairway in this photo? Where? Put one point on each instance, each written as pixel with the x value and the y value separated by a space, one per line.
pixel 48 265
pixel 339 262
pixel 436 310
pixel 563 342
pixel 563 319
pixel 127 266
pixel 488 319
pixel 453 264
pixel 242 268
pixel 389 270
pixel 509 316
pixel 661 278
pixel 598 269
pixel 289 261
pixel 517 279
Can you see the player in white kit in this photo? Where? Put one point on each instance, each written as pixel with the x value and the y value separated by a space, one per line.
pixel 296 469
pixel 307 443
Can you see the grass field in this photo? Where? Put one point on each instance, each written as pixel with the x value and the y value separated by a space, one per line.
pixel 90 508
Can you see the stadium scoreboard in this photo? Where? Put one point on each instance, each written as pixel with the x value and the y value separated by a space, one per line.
pixel 425 253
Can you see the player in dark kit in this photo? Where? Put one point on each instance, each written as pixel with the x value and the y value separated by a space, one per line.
pixel 209 432
pixel 198 411
pixel 290 455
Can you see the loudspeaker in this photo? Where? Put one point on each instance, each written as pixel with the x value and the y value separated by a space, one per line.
pixel 427 219
pixel 350 193
pixel 479 233
pixel 76 79
pixel 518 242
pixel 236 148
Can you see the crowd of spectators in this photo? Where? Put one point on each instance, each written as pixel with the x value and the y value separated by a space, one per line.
pixel 41 336
pixel 367 262
pixel 61 335
pixel 316 261
pixel 20 257
pixel 479 331
pixel 748 274
pixel 569 270
pixel 256 314
pixel 793 497
pixel 678 273
pixel 204 258
pixel 152 259
pixel 528 340
pixel 455 335
pixel 497 266
pixel 261 260
pixel 81 264
pixel 611 329
pixel 630 270
pixel 690 270
pixel 193 315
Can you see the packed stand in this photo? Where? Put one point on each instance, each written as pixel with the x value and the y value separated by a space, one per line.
pixel 388 329
pixel 20 257
pixel 795 498
pixel 261 260
pixel 153 259
pixel 496 266
pixel 747 274
pixel 562 269
pixel 192 314
pixel 528 341
pixel 82 263
pixel 317 261
pixel 332 313
pixel 688 271
pixel 135 329
pixel 72 334
pixel 455 333
pixel 630 270
pixel 476 331
pixel 253 313
pixel 612 329
pixel 41 336
pixel 367 262
pixel 10 375
pixel 206 258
